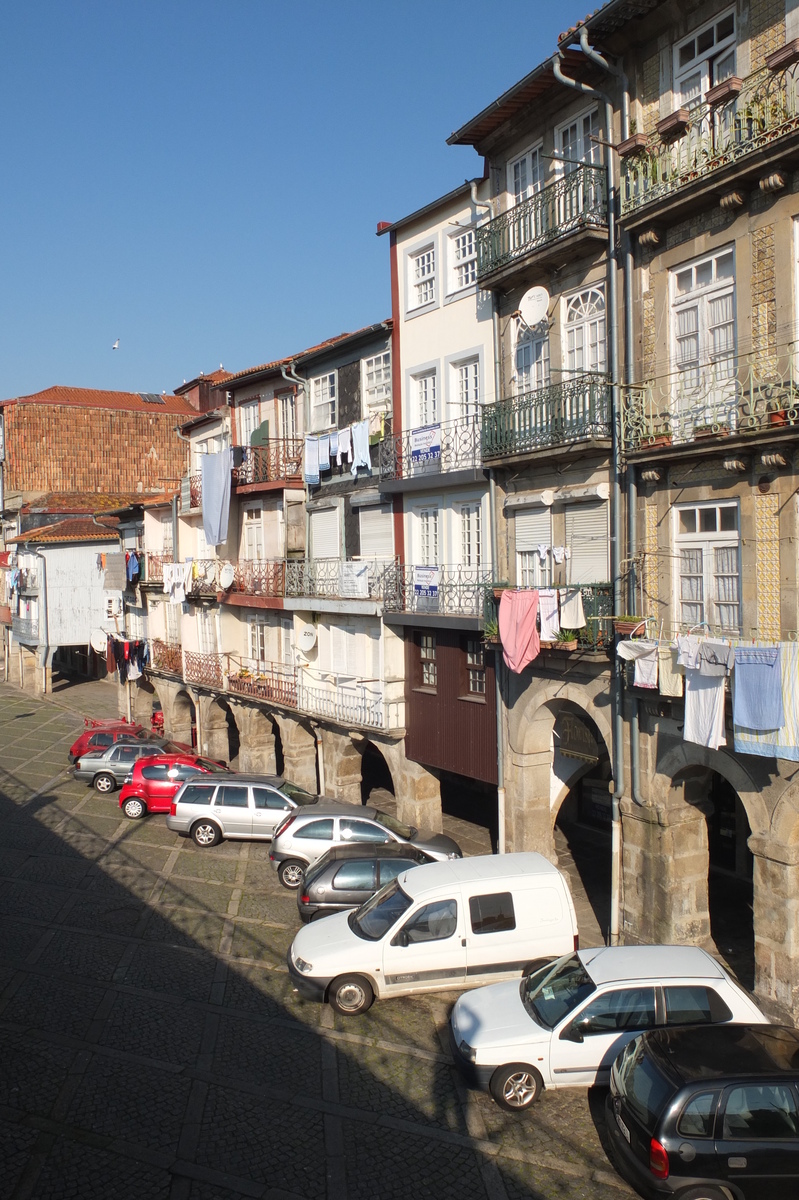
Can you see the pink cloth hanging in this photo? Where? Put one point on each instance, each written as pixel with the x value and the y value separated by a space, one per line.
pixel 517 628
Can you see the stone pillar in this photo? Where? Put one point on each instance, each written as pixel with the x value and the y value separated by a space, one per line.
pixel 176 704
pixel 213 729
pixel 418 795
pixel 299 753
pixel 776 921
pixel 257 739
pixel 528 818
pixel 342 766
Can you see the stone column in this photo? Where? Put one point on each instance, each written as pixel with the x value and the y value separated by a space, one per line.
pixel 213 729
pixel 776 921
pixel 299 753
pixel 256 739
pixel 418 795
pixel 528 818
pixel 342 766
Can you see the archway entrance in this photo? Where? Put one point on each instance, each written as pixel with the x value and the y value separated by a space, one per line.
pixel 183 724
pixel 729 883
pixel 581 772
pixel 375 775
pixel 280 766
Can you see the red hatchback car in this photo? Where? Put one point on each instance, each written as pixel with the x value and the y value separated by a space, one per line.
pixel 99 735
pixel 153 782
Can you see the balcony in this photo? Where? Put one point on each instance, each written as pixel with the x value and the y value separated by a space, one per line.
pixel 25 630
pixel 205 669
pixel 259 577
pixel 167 657
pixel 571 209
pixel 339 579
pixel 261 680
pixel 191 493
pixel 28 583
pixel 718 145
pixel 596 636
pixel 735 400
pixel 350 704
pixel 562 415
pixel 416 455
pixel 154 568
pixel 279 461
pixel 452 591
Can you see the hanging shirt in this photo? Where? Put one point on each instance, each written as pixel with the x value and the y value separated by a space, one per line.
pixel 704 709
pixel 645 654
pixel 517 628
pixel 670 676
pixel 757 691
pixel 216 473
pixel 334 447
pixel 548 614
pixel 782 742
pixel 571 608
pixel 360 447
pixel 688 651
pixel 716 658
pixel 344 445
pixel 558 553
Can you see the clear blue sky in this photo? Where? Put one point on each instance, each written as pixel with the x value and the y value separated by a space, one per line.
pixel 203 178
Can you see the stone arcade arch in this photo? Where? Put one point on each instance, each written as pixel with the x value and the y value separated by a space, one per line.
pixel 180 715
pixel 219 731
pixel 776 905
pixel 375 771
pixel 142 696
pixel 258 739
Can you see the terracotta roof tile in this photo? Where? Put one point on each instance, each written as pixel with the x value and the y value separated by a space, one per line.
pixel 74 529
pixel 280 362
pixel 96 398
pixel 80 502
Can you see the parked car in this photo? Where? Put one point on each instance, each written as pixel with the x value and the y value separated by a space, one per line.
pixel 243 807
pixel 305 836
pixel 441 926
pixel 99 735
pixel 346 876
pixel 107 769
pixel 153 782
pixel 565 1023
pixel 708 1113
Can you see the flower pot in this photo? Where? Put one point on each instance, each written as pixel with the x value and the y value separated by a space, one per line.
pixel 778 417
pixel 658 439
pixel 673 125
pixel 565 645
pixel 707 431
pixel 784 57
pixel 634 144
pixel 625 628
pixel 727 90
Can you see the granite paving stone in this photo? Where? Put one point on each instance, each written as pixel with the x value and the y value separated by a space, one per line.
pixel 165 1030
pixel 132 1102
pixel 17 939
pixel 172 969
pixel 54 1005
pixel 33 1071
pixel 116 913
pixel 185 928
pixel 277 1056
pixel 382 1166
pixel 75 1171
pixel 197 893
pixel 38 901
pixel 206 865
pixel 83 955
pixel 16 1146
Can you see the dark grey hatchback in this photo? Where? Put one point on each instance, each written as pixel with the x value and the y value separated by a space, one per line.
pixel 346 876
pixel 708 1112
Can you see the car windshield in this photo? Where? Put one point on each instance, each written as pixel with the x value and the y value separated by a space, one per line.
pixel 644 1088
pixel 374 918
pixel 406 832
pixel 207 764
pixel 296 793
pixel 551 993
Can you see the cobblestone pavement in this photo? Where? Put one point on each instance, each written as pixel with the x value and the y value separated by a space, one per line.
pixel 151 1045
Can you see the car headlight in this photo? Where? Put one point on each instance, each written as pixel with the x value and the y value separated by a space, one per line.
pixel 302 965
pixel 468 1052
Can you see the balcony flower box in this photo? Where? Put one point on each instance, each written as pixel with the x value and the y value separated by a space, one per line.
pixel 784 57
pixel 624 626
pixel 658 439
pixel 674 125
pixel 634 144
pixel 725 91
pixel 709 431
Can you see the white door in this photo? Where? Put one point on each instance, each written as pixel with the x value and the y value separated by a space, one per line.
pixel 427 951
pixel 584 1046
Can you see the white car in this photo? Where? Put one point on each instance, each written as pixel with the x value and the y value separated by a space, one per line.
pixel 564 1024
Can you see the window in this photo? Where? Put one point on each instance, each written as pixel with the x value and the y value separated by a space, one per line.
pixel 428 537
pixel 134 620
pixel 166 536
pixel 525 175
pixel 585 332
pixel 697 1118
pixel 390 868
pixel 475 667
pixel 253 534
pixel 492 914
pixel 532 362
pixel 206 631
pixel 432 923
pixel 355 877
pixel 695 1005
pixel 588 542
pixel 533 541
pixel 287 405
pixel 466 380
pixel 463 260
pixel 158 771
pixel 173 624
pixel 256 628
pixel 575 142
pixel 248 419
pixel 423 277
pixel 266 798
pixel 377 531
pixel 707 545
pixel 362 831
pixel 286 631
pixel 343 649
pixel 766 1112
pixel 425 389
pixel 377 382
pixel 324 536
pixel 323 830
pixel 323 401
pixel 197 793
pixel 704 59
pixel 703 325
pixel 229 796
pixel 427 657
pixel 628 1008
pixel 471 534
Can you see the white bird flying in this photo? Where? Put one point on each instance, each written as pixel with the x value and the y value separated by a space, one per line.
pixel 115 345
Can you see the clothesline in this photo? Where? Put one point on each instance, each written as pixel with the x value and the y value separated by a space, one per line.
pixel 351 444
pixel 523 625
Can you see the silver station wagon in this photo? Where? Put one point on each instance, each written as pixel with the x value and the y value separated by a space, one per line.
pixel 244 807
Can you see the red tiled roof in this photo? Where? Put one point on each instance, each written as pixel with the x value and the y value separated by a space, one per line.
pixel 80 502
pixel 74 529
pixel 212 377
pixel 281 362
pixel 95 398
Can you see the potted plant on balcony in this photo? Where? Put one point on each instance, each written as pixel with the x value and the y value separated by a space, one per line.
pixel 674 125
pixel 633 144
pixel 566 639
pixel 627 624
pixel 491 631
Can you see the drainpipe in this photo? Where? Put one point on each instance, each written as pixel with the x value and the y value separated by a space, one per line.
pixel 290 375
pixel 44 636
pixel 492 510
pixel 615 544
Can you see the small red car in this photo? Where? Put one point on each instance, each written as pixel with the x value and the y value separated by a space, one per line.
pixel 99 735
pixel 153 782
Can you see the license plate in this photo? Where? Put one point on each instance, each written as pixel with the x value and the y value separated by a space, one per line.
pixel 622 1127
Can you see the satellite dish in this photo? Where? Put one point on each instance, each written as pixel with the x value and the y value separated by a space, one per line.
pixel 227 575
pixel 534 306
pixel 99 641
pixel 307 639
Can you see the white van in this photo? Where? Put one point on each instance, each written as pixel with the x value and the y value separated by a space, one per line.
pixel 445 925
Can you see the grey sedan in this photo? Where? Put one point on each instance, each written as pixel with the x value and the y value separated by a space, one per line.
pixel 245 807
pixel 107 769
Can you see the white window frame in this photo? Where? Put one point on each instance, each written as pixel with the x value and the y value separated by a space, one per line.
pixel 206 630
pixel 717 613
pixel 531 360
pixel 166 536
pixel 427 536
pixel 287 413
pixel 172 624
pixel 426 398
pixel 525 174
pixel 422 277
pixel 257 625
pixel 531 571
pixel 286 635
pixel 462 259
pixel 212 444
pixel 712 64
pixel 249 418
pixel 470 514
pixel 466 390
pixel 585 123
pixel 324 401
pixel 376 382
pixel 585 331
pixel 252 521
pixel 710 371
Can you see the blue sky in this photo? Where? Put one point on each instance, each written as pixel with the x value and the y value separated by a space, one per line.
pixel 203 178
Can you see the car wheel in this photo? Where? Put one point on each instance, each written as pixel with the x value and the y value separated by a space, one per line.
pixel 104 783
pixel 515 1086
pixel 134 808
pixel 702 1192
pixel 350 995
pixel 290 873
pixel 205 833
pixel 320 912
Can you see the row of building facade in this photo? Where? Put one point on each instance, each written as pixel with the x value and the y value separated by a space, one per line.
pixel 635 437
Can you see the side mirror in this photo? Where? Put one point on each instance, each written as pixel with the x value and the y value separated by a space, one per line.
pixel 401 938
pixel 572 1034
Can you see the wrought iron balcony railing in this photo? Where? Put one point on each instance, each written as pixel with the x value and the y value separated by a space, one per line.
pixel 154 567
pixel 208 669
pixel 262 680
pixel 191 492
pixel 448 591
pixel 765 110
pixel 167 656
pixel 25 630
pixel 349 704
pixel 203 578
pixel 578 200
pixel 576 409
pixel 598 631
pixel 432 449
pixel 733 397
pixel 259 577
pixel 279 459
pixel 340 579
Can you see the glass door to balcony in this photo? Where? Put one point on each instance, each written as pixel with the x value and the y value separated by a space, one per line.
pixel 525 179
pixel 575 145
pixel 586 358
pixel 705 391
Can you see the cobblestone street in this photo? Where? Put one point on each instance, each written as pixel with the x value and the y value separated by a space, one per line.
pixel 152 1045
